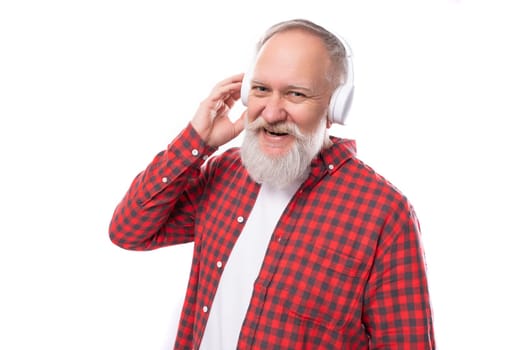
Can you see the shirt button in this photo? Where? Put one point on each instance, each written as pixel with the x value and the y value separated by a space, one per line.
pixel 240 219
pixel 164 179
pixel 205 308
pixel 331 167
pixel 194 152
pixel 219 264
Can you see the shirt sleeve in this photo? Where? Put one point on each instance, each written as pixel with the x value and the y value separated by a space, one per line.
pixel 159 207
pixel 397 310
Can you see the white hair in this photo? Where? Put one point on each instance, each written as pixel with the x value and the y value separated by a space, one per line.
pixel 280 171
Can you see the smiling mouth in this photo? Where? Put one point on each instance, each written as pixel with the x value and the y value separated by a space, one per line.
pixel 275 133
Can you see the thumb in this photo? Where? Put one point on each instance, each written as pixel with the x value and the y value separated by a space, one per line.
pixel 238 125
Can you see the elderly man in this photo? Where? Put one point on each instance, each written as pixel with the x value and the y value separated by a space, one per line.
pixel 298 244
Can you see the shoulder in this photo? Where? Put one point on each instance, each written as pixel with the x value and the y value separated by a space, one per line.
pixel 230 157
pixel 225 167
pixel 358 175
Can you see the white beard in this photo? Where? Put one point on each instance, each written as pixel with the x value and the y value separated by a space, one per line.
pixel 280 171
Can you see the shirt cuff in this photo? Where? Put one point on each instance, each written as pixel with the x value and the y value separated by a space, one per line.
pixel 189 147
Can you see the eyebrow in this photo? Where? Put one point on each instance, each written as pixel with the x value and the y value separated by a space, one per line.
pixel 288 87
pixel 296 87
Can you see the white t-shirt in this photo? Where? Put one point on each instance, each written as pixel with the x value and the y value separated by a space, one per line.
pixel 236 285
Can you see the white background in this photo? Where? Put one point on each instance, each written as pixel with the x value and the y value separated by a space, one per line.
pixel 90 91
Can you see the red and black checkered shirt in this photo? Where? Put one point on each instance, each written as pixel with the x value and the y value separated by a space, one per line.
pixel 344 268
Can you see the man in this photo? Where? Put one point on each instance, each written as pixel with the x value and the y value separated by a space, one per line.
pixel 297 243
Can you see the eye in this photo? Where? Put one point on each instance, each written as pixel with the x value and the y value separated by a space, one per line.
pixel 296 94
pixel 259 89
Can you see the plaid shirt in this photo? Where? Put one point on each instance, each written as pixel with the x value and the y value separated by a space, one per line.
pixel 344 268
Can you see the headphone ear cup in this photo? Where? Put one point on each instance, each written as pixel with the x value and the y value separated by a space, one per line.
pixel 340 103
pixel 245 86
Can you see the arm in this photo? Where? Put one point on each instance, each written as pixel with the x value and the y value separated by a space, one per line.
pixel 159 207
pixel 397 310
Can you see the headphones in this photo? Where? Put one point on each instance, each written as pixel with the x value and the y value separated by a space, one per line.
pixel 342 96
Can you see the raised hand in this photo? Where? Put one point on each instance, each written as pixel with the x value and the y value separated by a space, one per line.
pixel 212 121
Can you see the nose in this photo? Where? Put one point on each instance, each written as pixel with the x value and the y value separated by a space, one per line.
pixel 274 110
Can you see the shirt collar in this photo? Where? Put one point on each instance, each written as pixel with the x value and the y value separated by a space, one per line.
pixel 331 158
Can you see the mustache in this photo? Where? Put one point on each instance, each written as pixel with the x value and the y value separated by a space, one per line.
pixel 284 127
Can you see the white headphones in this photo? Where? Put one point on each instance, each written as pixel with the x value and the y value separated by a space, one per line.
pixel 341 99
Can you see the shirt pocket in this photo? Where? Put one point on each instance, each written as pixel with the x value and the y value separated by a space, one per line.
pixel 327 288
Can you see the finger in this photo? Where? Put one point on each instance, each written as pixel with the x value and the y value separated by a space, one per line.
pixel 237 78
pixel 230 101
pixel 230 84
pixel 223 92
pixel 238 125
pixel 224 95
